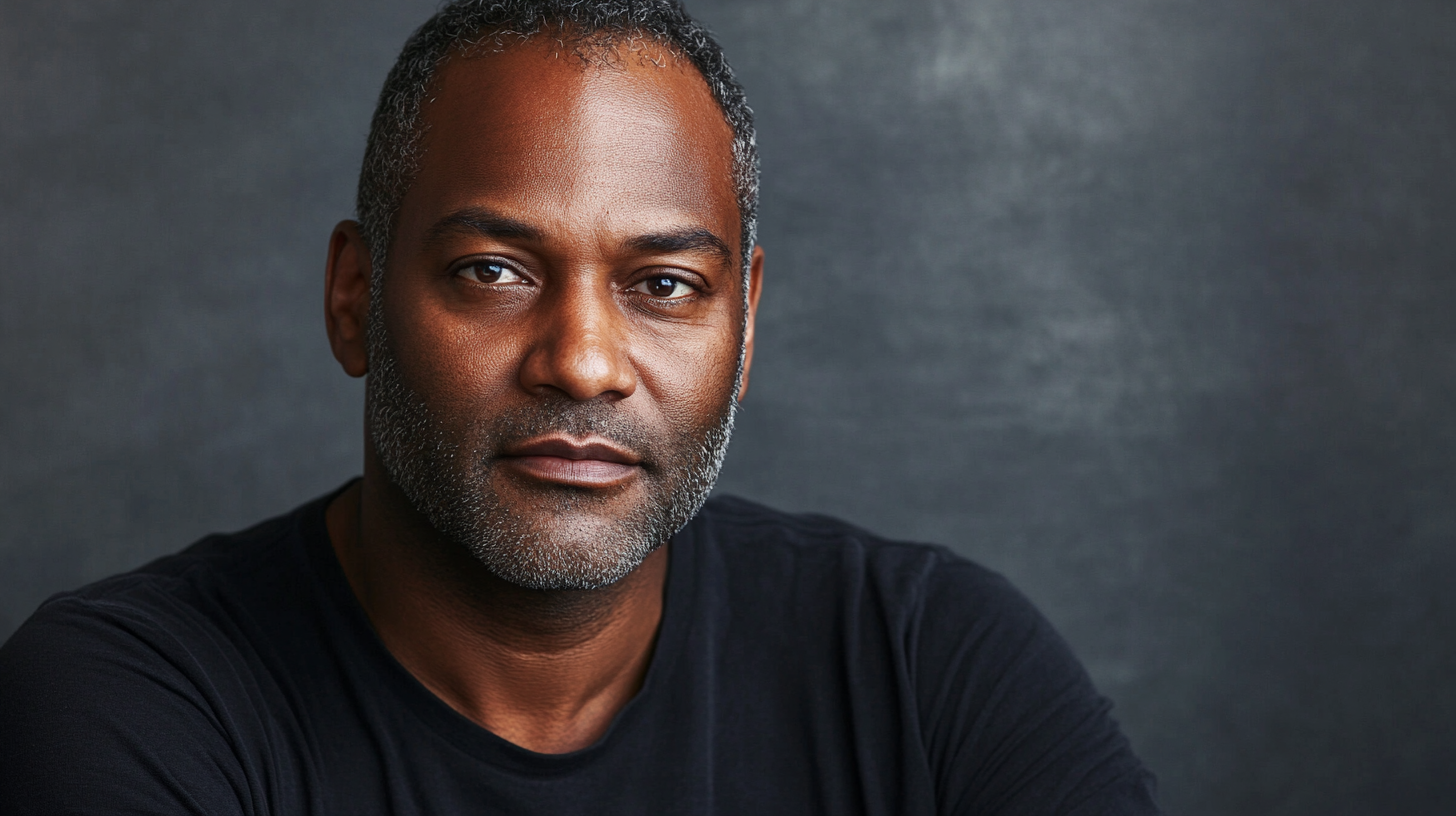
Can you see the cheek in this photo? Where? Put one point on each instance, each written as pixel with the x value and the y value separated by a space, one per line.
pixel 451 360
pixel 691 377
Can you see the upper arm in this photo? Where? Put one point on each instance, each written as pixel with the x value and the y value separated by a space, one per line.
pixel 101 714
pixel 1012 723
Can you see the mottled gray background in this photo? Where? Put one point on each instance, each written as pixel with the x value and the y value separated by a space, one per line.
pixel 1149 304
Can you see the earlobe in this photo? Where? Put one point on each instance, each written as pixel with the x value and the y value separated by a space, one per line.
pixel 346 298
pixel 755 287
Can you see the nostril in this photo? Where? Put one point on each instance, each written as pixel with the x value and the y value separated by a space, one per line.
pixel 583 367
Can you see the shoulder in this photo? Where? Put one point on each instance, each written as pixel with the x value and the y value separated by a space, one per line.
pixel 1007 718
pixel 179 609
pixel 212 555
pixel 142 671
pixel 173 611
pixel 919 606
pixel 903 573
pixel 163 600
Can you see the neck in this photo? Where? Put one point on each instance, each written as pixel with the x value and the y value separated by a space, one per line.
pixel 545 669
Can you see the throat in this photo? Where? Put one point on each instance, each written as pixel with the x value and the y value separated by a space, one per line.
pixel 547 670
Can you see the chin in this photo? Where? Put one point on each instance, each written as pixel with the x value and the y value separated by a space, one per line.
pixel 574 540
pixel 561 564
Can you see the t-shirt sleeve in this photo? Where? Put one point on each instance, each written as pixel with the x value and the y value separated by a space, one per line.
pixel 1013 724
pixel 101 712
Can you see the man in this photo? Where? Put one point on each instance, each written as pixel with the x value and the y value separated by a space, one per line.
pixel 524 605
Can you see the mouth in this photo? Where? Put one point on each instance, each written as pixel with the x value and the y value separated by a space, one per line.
pixel 591 463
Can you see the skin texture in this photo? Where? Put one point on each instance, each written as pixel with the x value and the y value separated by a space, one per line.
pixel 590 159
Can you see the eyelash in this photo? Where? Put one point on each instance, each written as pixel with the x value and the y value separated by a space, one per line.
pixel 465 269
pixel 676 281
pixel 505 267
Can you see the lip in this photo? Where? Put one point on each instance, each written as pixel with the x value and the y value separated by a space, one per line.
pixel 593 462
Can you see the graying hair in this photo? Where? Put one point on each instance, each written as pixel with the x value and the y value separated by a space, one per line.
pixel 592 27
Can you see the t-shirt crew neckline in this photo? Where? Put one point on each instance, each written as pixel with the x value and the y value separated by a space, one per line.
pixel 406 691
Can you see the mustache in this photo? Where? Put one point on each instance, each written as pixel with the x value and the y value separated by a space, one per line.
pixel 530 421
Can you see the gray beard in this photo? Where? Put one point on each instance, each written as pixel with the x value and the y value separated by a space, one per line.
pixel 445 473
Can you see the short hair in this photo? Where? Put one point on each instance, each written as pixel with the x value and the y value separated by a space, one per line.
pixel 593 27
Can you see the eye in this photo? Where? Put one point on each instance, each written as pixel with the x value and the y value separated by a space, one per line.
pixel 664 287
pixel 489 272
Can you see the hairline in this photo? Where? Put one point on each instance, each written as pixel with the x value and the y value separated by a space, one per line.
pixel 595 49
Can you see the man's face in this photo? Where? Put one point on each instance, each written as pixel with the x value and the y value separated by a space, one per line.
pixel 553 356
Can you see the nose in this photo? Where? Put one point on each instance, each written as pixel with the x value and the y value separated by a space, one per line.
pixel 581 347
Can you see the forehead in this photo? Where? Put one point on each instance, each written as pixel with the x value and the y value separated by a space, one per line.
pixel 535 132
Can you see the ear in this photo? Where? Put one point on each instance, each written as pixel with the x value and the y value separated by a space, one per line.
pixel 755 286
pixel 346 298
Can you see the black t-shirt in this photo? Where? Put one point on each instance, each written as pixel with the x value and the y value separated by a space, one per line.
pixel 803 666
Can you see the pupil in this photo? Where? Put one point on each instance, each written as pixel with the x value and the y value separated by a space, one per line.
pixel 662 287
pixel 488 272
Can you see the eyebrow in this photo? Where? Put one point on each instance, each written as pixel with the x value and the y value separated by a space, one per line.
pixel 485 223
pixel 683 240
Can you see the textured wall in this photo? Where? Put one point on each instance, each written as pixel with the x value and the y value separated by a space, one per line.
pixel 1150 304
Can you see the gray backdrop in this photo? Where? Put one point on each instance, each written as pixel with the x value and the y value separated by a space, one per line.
pixel 1146 303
